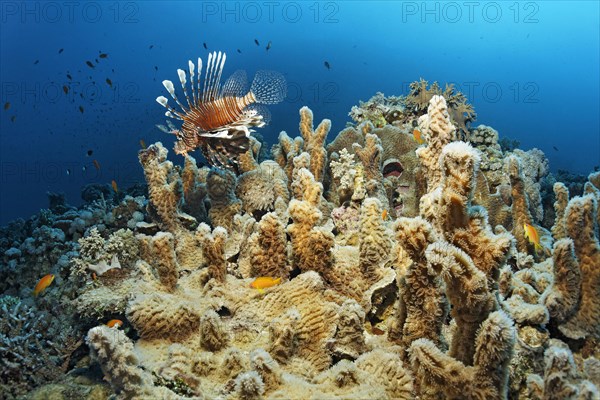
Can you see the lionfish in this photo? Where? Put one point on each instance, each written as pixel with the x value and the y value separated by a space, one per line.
pixel 217 118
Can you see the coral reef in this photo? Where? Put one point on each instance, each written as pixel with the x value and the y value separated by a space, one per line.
pixel 397 267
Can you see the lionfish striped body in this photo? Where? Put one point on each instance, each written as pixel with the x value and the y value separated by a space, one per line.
pixel 217 118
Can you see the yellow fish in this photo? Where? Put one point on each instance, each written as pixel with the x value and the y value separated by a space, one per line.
pixel 114 322
pixel 264 282
pixel 417 136
pixel 114 186
pixel 142 144
pixel 43 284
pixel 532 235
pixel 384 215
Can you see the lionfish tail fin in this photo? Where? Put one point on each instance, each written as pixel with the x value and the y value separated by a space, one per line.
pixel 269 87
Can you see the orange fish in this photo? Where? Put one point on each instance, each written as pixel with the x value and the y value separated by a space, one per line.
pixel 97 165
pixel 114 322
pixel 384 215
pixel 417 136
pixel 114 186
pixel 264 282
pixel 142 143
pixel 94 277
pixel 532 235
pixel 43 284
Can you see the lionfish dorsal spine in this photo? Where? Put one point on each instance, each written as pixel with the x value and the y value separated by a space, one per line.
pixel 191 68
pixel 171 89
pixel 214 69
pixel 183 81
pixel 171 113
pixel 206 76
pixel 215 80
pixel 199 75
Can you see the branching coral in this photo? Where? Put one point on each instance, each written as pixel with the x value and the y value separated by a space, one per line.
pixel 259 188
pixel 459 110
pixel 314 140
pixel 582 228
pixel 422 306
pixel 213 246
pixel 439 374
pixel 311 243
pixel 114 351
pixel 468 292
pixel 561 379
pixel 221 193
pixel 438 131
pixel 269 248
pixel 370 157
pixel 28 356
pixel 164 186
pixel 374 243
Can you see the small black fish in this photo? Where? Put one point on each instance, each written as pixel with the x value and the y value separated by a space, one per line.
pixel 156 68
pixel 81 109
pixel 256 41
pixel 554 147
pixel 109 82
pixel 70 77
pixel 103 55
pixel 60 51
pixel 97 62
pixel 7 105
pixel 239 51
pixel 13 118
pixel 36 61
pixel 205 46
pixel 89 64
pixel 326 63
pixel 268 46
pixel 151 46
pixel 66 89
pixel 90 152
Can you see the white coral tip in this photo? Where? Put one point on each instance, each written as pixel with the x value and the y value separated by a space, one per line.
pixel 191 67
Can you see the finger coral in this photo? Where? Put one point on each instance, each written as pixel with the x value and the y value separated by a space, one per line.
pixel 582 228
pixel 314 140
pixel 439 374
pixel 114 352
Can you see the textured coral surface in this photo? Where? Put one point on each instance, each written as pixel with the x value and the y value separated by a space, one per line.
pixel 382 265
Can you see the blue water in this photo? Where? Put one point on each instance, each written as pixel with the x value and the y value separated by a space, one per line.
pixel 529 68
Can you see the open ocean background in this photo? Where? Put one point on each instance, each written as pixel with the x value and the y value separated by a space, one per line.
pixel 531 70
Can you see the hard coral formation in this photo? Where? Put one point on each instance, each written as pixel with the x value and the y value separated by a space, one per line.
pixel 399 269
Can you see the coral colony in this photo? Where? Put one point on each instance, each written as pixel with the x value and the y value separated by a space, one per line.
pixel 372 267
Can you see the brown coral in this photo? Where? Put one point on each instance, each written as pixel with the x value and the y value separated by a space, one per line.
pixel 314 142
pixel 162 315
pixel 441 375
pixel 581 227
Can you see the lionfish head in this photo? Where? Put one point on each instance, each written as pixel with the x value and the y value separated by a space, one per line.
pixel 217 118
